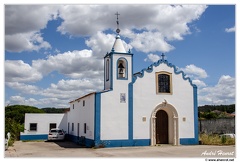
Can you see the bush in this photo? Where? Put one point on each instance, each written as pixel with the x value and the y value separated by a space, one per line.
pixel 214 139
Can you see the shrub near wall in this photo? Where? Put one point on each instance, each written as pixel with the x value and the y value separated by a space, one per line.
pixel 215 139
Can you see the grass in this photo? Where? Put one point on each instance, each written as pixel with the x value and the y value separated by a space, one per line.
pixel 214 139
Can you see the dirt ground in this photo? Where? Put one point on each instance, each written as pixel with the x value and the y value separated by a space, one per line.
pixel 69 149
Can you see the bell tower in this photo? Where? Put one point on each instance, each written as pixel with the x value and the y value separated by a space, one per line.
pixel 117 64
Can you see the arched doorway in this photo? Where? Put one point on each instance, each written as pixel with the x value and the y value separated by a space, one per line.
pixel 161 127
pixel 164 125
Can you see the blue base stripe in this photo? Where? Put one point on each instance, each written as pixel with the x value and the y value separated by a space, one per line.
pixel 123 143
pixel 34 137
pixel 87 142
pixel 189 141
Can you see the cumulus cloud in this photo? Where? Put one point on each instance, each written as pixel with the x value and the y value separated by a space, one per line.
pixel 195 72
pixel 25 42
pixel 22 26
pixel 56 94
pixel 101 43
pixel 18 100
pixel 199 83
pixel 18 71
pixel 150 42
pixel 152 57
pixel 24 88
pixel 75 64
pixel 164 22
pixel 70 89
pixel 229 30
pixel 222 93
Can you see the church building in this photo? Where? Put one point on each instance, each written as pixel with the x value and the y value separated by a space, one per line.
pixel 157 105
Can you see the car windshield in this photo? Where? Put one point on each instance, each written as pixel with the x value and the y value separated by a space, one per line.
pixel 56 131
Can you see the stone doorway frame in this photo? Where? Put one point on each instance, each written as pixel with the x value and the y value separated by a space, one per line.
pixel 173 116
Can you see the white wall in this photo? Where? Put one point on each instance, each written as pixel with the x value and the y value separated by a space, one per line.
pixel 43 121
pixel 146 100
pixel 82 114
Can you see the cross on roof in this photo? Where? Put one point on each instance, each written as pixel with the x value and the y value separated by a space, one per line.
pixel 118 30
pixel 163 56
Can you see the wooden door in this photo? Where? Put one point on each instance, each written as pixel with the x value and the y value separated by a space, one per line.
pixel 161 127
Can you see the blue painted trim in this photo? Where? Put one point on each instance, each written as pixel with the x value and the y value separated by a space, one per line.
pixel 76 139
pixel 123 143
pixel 130 107
pixel 126 68
pixel 130 111
pixel 195 114
pixel 111 76
pixel 97 121
pixel 34 137
pixel 121 53
pixel 188 141
pixel 155 64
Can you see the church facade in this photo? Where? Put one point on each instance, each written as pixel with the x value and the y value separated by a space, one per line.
pixel 157 105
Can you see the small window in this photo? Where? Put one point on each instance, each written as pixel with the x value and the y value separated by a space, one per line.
pixel 52 125
pixel 107 70
pixel 83 102
pixel 164 82
pixel 33 126
pixel 85 128
pixel 72 126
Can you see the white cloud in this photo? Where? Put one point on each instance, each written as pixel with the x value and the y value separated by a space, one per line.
pixel 222 93
pixel 25 42
pixel 22 26
pixel 194 72
pixel 229 30
pixel 70 89
pixel 152 57
pixel 164 22
pixel 18 71
pixel 199 83
pixel 150 42
pixel 75 64
pixel 101 43
pixel 18 100
pixel 23 88
pixel 57 95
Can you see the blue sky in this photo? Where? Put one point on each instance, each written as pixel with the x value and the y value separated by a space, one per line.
pixel 54 53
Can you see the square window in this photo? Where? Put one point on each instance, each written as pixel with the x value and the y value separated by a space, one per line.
pixel 52 125
pixel 33 126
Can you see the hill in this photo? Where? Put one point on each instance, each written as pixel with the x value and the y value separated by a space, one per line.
pixel 216 111
pixel 223 108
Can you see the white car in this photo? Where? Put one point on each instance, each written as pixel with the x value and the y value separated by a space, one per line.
pixel 228 135
pixel 56 134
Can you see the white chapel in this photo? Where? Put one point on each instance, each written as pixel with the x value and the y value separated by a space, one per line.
pixel 157 105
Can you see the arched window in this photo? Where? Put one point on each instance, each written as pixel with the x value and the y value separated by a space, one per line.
pixel 122 68
pixel 164 82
